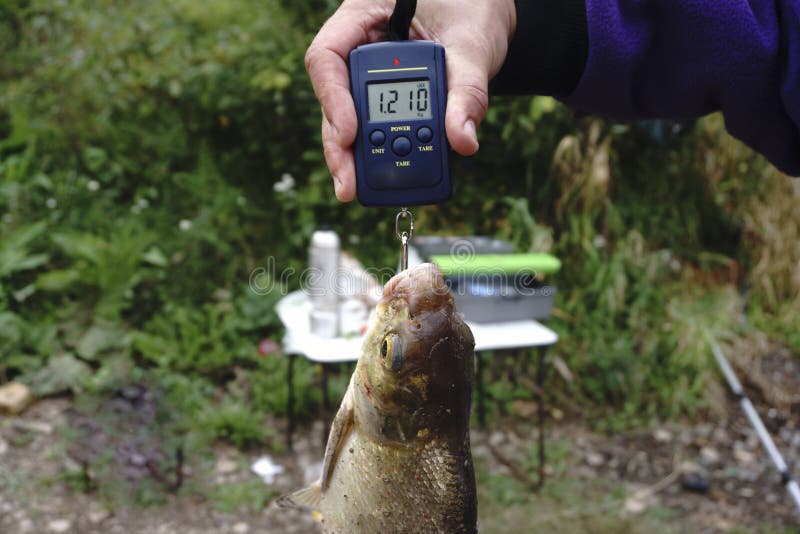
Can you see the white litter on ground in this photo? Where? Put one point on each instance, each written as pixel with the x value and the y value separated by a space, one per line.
pixel 267 469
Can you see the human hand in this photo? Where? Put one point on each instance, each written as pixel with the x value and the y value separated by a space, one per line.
pixel 475 34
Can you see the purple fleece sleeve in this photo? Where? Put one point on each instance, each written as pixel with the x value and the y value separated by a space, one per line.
pixel 633 59
pixel 686 58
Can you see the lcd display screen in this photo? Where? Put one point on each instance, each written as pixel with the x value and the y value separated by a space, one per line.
pixel 399 101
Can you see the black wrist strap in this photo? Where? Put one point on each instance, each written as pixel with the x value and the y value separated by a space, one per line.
pixel 400 21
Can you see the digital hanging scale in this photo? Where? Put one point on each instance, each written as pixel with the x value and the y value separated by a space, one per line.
pixel 401 152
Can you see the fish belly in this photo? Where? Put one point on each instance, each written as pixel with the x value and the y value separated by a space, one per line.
pixel 386 489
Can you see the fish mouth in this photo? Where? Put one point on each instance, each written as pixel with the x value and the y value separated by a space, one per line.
pixel 421 286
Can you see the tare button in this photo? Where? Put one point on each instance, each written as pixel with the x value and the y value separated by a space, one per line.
pixel 401 146
pixel 425 134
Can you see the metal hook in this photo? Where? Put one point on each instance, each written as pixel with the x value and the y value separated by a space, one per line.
pixel 404 235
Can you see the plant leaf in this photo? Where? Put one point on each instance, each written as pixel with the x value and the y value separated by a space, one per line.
pixel 100 337
pixel 63 373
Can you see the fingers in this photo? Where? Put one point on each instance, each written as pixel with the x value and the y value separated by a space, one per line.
pixel 476 40
pixel 326 62
pixel 340 162
pixel 475 34
pixel 467 100
pixel 326 65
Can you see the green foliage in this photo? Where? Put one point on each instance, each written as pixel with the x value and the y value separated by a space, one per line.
pixel 62 373
pixel 154 155
pixel 205 341
pixel 107 268
pixel 658 367
pixel 245 496
pixel 235 423
pixel 14 252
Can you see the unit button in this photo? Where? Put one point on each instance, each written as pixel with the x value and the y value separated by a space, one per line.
pixel 425 134
pixel 377 137
pixel 401 146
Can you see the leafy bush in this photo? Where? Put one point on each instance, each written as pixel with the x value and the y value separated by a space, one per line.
pixel 153 155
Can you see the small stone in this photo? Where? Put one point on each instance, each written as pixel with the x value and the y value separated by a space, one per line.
pixel 59 525
pixel 709 455
pixel 742 456
pixel 662 435
pixel 594 459
pixel 747 475
pixel 704 430
pixel 30 425
pixel 720 435
pixel 557 414
pixel 3 446
pixel 97 514
pixel 639 499
pixel 635 505
pixel 240 528
pixel 723 524
pixel 747 493
pixel 137 460
pixel 14 397
pixel 690 467
pixel 694 482
pixel 225 466
pixel 524 408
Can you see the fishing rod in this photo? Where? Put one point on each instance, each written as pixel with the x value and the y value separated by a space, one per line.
pixel 755 421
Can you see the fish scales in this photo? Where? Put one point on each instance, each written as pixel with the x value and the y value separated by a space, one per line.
pixel 398 456
pixel 434 501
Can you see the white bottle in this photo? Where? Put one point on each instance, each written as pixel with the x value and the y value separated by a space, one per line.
pixel 322 287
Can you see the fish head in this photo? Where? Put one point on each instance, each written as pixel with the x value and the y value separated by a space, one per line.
pixel 414 378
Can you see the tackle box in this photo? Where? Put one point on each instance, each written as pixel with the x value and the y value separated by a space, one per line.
pixel 489 282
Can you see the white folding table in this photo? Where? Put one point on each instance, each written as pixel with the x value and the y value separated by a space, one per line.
pixel 294 312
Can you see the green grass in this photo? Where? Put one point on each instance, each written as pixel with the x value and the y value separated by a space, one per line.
pixel 564 506
pixel 239 497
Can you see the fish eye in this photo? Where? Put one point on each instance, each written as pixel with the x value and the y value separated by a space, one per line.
pixel 392 351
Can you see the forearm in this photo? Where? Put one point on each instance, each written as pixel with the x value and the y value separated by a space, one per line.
pixel 673 59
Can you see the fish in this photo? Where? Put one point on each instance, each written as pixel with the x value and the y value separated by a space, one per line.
pixel 398 454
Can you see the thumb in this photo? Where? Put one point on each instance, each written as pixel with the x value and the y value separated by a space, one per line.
pixel 467 101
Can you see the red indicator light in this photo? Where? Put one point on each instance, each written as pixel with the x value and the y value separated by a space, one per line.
pixel 396 61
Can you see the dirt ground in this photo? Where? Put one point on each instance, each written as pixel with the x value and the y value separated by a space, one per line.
pixel 706 476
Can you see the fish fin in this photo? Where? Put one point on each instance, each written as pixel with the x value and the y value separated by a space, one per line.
pixel 341 429
pixel 306 498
